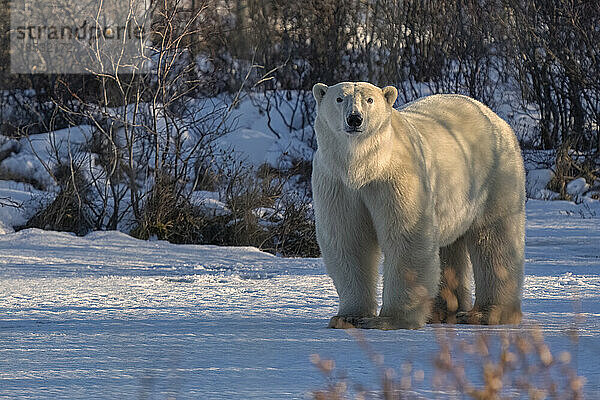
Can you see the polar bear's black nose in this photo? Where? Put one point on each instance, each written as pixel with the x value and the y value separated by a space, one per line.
pixel 354 120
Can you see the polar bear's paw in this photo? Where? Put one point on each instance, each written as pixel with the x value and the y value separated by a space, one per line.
pixel 441 315
pixel 383 323
pixel 343 322
pixel 492 315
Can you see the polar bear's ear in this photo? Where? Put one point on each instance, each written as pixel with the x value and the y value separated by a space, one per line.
pixel 390 93
pixel 319 91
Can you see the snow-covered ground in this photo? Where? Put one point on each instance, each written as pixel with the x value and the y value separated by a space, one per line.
pixel 109 316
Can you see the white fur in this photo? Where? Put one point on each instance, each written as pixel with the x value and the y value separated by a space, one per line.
pixel 444 172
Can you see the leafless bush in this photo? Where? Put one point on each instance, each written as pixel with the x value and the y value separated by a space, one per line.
pixel 302 43
pixel 484 367
pixel 555 56
pixel 152 148
pixel 167 215
pixel 69 211
pixel 435 47
pixel 256 211
pixel 295 235
pixel 571 165
pixel 146 125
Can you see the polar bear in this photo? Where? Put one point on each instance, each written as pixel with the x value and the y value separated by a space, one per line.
pixel 438 187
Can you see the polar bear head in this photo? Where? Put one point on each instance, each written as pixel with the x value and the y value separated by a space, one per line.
pixel 354 130
pixel 354 108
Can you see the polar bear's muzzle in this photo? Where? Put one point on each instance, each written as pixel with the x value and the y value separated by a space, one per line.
pixel 354 122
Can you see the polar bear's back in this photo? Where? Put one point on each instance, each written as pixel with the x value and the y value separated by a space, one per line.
pixel 453 112
pixel 473 156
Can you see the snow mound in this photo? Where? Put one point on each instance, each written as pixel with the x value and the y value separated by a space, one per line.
pixel 537 181
pixel 50 147
pixel 577 187
pixel 14 200
pixel 209 203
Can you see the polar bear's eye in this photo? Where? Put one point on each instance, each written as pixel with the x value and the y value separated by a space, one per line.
pixel 370 100
pixel 339 100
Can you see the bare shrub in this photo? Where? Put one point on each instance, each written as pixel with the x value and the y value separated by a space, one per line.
pixel 258 212
pixel 167 215
pixel 248 197
pixel 69 211
pixel 555 60
pixel 147 125
pixel 571 165
pixel 294 235
pixel 484 367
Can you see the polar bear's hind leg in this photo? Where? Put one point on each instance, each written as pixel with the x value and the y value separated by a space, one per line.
pixel 455 286
pixel 496 251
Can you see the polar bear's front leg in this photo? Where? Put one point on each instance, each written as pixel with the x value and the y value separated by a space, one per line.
pixel 349 248
pixel 408 235
pixel 353 269
pixel 411 274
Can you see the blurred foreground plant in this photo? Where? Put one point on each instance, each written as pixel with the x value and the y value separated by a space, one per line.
pixel 507 364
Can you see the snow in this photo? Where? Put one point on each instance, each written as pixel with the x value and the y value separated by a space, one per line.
pixel 61 144
pixel 253 138
pixel 577 187
pixel 249 145
pixel 12 210
pixel 209 202
pixel 537 180
pixel 107 316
